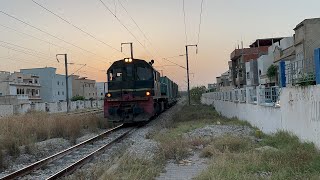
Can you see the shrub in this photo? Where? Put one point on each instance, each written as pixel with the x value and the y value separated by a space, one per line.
pixel 77 98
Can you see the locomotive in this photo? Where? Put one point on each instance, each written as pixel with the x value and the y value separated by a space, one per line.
pixel 136 92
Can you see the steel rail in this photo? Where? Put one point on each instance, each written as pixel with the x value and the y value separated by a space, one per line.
pixel 28 169
pixel 68 170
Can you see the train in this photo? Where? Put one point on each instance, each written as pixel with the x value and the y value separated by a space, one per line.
pixel 136 92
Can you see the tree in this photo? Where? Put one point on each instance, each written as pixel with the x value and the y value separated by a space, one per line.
pixel 196 93
pixel 272 72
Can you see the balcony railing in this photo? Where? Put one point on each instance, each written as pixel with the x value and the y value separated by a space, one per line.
pixel 24 84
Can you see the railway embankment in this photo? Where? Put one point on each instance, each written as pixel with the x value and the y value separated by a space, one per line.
pixel 25 139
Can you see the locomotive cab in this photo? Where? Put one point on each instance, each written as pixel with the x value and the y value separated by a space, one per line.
pixel 133 84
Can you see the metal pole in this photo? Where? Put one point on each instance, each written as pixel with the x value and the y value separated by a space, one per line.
pixel 187 58
pixel 131 48
pixel 188 74
pixel 67 84
pixel 131 51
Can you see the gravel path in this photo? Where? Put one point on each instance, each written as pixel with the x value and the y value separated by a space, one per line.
pixel 186 170
pixel 220 130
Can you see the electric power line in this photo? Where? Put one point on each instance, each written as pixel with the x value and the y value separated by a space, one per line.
pixel 83 31
pixel 34 27
pixel 126 27
pixel 185 24
pixel 201 9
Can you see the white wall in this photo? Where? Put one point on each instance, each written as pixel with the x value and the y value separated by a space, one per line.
pixel 55 107
pixel 299 112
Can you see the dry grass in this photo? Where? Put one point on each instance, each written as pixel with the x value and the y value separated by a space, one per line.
pixel 236 158
pixel 134 169
pixel 33 127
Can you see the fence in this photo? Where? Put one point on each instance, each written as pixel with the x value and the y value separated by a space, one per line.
pixel 300 72
pixel 267 95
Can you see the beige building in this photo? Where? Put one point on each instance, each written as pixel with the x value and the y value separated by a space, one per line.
pixel 25 88
pixel 81 86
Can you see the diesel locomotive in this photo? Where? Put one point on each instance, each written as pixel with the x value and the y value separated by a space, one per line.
pixel 136 92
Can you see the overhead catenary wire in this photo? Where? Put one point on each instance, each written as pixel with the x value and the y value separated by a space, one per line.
pixel 200 21
pixel 184 20
pixel 42 40
pixel 49 34
pixel 130 32
pixel 78 28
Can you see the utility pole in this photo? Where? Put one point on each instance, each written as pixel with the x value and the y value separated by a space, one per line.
pixel 131 48
pixel 67 84
pixel 188 69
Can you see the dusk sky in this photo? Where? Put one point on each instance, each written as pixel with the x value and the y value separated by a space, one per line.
pixel 224 24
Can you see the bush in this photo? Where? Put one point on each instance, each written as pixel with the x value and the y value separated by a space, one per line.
pixel 77 98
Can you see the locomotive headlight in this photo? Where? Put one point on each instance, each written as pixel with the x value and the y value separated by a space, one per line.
pixel 148 93
pixel 109 95
pixel 126 60
pixel 130 60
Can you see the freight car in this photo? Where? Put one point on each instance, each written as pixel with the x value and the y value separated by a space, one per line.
pixel 136 92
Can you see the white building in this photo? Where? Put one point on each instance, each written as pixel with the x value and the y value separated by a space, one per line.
pixel 53 86
pixel 265 61
pixel 102 89
pixel 18 88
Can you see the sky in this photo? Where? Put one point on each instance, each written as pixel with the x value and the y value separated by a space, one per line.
pixel 93 34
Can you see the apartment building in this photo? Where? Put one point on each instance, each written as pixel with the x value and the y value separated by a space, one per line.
pixel 239 57
pixel 19 88
pixel 53 86
pixel 102 89
pixel 81 86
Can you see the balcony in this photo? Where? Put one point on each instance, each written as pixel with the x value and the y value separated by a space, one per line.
pixel 24 84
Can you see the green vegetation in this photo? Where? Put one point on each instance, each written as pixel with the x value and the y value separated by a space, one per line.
pixel 280 156
pixel 134 168
pixel 272 72
pixel 236 158
pixel 77 98
pixel 196 93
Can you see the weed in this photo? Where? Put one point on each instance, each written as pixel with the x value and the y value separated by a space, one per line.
pixel 134 168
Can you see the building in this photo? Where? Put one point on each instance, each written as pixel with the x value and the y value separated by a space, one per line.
pixel 19 88
pixel 251 73
pixel 53 86
pixel 306 38
pixel 223 81
pixel 102 89
pixel 239 57
pixel 278 50
pixel 81 86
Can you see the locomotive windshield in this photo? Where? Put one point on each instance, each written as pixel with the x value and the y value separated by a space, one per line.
pixel 136 71
pixel 144 73
pixel 115 74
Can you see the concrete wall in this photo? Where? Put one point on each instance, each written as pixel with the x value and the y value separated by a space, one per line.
pixel 55 107
pixel 299 112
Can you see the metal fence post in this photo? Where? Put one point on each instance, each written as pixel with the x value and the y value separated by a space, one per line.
pixel 317 63
pixel 282 73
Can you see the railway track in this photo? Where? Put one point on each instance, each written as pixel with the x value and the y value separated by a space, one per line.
pixel 67 161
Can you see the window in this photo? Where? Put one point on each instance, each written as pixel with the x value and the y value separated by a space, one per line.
pixel 248 75
pixel 62 83
pixel 89 94
pixel 144 73
pixel 58 83
pixel 62 92
pixel 129 69
pixel 36 81
pixel 58 93
pixel 85 85
pixel 259 72
pixel 115 74
pixel 101 94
